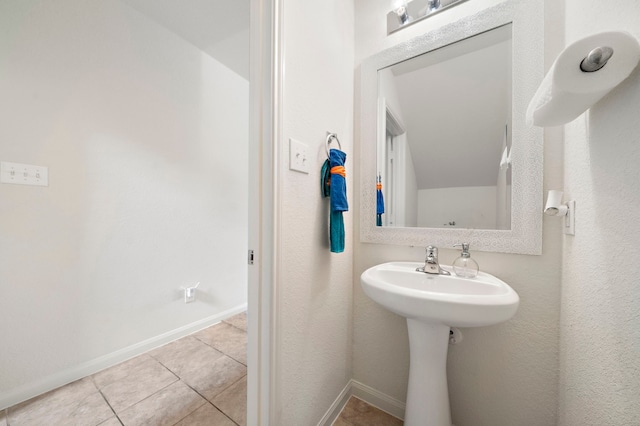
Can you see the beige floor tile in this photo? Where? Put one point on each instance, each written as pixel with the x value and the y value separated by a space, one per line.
pixel 186 356
pixel 227 339
pixel 340 421
pixel 207 415
pixel 233 401
pixel 119 371
pixel 176 349
pixel 215 377
pixel 78 403
pixel 238 321
pixel 359 413
pixel 166 407
pixel 113 421
pixel 142 380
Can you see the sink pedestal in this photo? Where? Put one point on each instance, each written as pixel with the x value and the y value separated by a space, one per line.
pixel 428 394
pixel 432 304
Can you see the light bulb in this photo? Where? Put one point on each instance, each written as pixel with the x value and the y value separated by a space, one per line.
pixel 400 9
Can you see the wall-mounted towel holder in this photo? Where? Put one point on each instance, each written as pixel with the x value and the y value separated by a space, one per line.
pixel 331 137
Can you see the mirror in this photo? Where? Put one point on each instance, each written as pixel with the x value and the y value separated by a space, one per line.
pixel 435 172
pixel 443 133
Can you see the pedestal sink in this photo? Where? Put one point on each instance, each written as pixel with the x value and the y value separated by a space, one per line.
pixel 432 305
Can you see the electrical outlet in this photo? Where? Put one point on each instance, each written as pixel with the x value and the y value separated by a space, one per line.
pixel 190 293
pixel 23 174
pixel 298 157
pixel 570 219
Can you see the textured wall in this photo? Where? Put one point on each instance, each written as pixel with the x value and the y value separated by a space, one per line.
pixel 600 325
pixel 314 302
pixel 146 143
pixel 468 206
pixel 502 375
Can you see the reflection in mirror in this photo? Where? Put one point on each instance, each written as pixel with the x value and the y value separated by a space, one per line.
pixel 447 142
pixel 445 136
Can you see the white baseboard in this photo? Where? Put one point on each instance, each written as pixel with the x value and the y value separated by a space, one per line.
pixel 369 395
pixel 334 411
pixel 378 399
pixel 30 390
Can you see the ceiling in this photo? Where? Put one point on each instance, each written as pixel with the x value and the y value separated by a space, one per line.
pixel 455 103
pixel 218 28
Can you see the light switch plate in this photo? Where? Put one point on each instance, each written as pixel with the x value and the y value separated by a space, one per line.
pixel 24 174
pixel 298 156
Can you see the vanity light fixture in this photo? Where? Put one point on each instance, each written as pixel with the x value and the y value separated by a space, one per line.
pixel 399 7
pixel 406 12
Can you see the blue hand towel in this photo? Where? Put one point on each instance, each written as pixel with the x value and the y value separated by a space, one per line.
pixel 379 204
pixel 338 182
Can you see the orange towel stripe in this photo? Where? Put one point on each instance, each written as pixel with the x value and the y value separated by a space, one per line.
pixel 378 186
pixel 339 170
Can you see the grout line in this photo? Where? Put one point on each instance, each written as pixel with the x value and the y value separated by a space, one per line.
pixel 229 356
pixel 221 392
pixel 178 379
pixel 222 352
pixel 196 409
pixel 201 395
pixel 207 402
pixel 234 326
pixel 144 399
pixel 107 401
pixel 196 391
pixel 227 388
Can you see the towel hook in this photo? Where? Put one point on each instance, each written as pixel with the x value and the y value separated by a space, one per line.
pixel 330 137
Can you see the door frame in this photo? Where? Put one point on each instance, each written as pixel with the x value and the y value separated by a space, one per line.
pixel 264 134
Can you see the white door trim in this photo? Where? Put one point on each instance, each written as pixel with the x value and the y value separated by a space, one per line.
pixel 264 134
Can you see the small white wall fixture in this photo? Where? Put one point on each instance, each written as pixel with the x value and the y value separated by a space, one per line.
pixel 555 207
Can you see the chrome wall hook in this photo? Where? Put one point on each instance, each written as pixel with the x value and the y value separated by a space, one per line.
pixel 330 138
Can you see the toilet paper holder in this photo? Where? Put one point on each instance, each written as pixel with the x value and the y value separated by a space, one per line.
pixel 575 83
pixel 596 59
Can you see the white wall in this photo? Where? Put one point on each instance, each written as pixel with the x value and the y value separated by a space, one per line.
pixel 314 286
pixel 600 326
pixel 469 207
pixel 145 138
pixel 502 375
pixel 410 189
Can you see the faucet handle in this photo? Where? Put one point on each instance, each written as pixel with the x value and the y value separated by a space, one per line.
pixel 432 251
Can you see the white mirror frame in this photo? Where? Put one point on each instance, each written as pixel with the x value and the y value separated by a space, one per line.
pixel 525 235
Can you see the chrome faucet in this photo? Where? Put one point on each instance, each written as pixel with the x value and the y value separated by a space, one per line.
pixel 431 265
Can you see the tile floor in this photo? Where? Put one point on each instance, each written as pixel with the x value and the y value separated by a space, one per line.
pixel 197 380
pixel 358 413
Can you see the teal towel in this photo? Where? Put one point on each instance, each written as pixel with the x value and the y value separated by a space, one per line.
pixel 336 221
pixel 325 177
pixel 336 231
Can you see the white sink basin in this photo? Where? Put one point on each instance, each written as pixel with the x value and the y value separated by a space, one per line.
pixel 448 300
pixel 432 304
